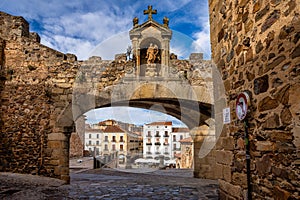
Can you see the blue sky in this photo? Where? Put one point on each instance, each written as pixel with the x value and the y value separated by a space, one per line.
pixel 130 115
pixel 84 27
pixel 99 27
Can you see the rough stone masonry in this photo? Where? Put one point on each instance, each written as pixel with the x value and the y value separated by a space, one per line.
pixel 256 47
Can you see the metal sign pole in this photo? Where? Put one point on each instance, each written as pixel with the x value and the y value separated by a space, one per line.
pixel 242 103
pixel 247 146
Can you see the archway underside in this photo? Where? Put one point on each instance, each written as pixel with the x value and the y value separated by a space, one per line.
pixel 192 113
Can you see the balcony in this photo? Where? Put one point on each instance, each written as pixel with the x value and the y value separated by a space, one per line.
pixel 113 141
pixel 166 144
pixel 157 135
pixel 157 152
pixel 166 153
pixel 148 135
pixel 148 152
pixel 149 143
pixel 157 143
pixel 166 135
pixel 122 141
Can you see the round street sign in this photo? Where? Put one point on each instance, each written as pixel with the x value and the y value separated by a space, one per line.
pixel 242 103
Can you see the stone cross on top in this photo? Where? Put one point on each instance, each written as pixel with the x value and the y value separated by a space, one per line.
pixel 150 12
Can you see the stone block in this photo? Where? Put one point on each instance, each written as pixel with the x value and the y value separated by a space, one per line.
pixel 264 146
pixel 267 104
pixel 224 157
pixel 55 144
pixel 57 137
pixel 239 179
pixel 227 173
pixel 228 143
pixel 234 190
pixel 281 194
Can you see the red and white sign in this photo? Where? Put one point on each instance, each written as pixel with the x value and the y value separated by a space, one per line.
pixel 242 103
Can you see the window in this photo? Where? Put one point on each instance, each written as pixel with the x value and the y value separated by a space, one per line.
pixel 106 138
pixel 105 147
pixel 90 135
pixel 121 147
pixel 121 139
pixel 166 134
pixel 174 146
pixel 157 134
pixel 97 135
pixel 90 142
pixel 113 147
pixel 166 127
pixel 149 148
pixel 181 137
pixel 174 138
pixel 114 139
pixel 97 142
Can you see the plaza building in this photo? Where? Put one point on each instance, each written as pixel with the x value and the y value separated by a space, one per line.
pixel 115 139
pixel 156 139
pixel 92 140
pixel 177 134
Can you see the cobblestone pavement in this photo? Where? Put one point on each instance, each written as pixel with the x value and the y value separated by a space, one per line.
pixel 109 184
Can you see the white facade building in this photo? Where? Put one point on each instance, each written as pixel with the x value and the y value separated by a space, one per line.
pixel 93 139
pixel 178 134
pixel 156 140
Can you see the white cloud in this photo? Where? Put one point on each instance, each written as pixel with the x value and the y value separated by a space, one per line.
pixel 202 42
pixel 129 115
pixel 112 46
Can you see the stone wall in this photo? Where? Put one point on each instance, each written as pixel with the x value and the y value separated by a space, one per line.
pixel 44 91
pixel 256 47
pixel 27 105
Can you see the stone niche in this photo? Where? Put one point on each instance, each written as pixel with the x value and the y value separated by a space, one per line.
pixel 150 48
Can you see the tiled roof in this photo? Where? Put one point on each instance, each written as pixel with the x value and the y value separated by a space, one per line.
pixel 189 139
pixel 113 129
pixel 180 130
pixel 160 124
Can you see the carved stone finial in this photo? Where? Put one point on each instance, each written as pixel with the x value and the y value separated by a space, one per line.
pixel 135 21
pixel 166 22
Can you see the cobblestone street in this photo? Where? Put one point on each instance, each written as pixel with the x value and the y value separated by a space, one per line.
pixel 110 184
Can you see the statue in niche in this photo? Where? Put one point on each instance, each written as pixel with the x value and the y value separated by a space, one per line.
pixel 152 52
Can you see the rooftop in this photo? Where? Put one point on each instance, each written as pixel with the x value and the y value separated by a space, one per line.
pixel 113 129
pixel 160 124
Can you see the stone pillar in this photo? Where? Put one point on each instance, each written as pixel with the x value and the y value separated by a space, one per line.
pixel 161 162
pixel 58 146
pixel 204 153
pixel 128 164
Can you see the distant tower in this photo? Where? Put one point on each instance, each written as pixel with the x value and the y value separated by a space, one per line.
pixel 151 45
